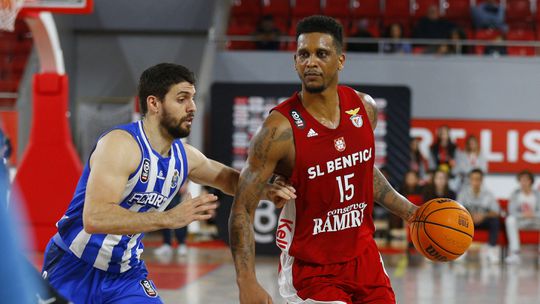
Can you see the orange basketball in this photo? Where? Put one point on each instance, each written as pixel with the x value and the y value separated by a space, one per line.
pixel 442 230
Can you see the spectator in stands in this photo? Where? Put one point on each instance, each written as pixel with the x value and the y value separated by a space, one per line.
pixel 438 187
pixel 419 163
pixel 267 34
pixel 489 14
pixel 395 32
pixel 468 159
pixel 432 26
pixel 443 150
pixel 456 47
pixel 411 184
pixel 484 209
pixel 362 31
pixel 523 213
pixel 498 49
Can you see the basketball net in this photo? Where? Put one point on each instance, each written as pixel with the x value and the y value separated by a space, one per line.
pixel 8 14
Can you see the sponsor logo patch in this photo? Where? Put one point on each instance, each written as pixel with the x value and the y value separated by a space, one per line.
pixel 145 170
pixel 148 288
pixel 340 145
pixel 298 120
pixel 153 199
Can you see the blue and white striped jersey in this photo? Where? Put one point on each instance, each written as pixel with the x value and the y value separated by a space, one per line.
pixel 150 188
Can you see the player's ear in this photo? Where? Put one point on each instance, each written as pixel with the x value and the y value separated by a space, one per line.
pixel 341 61
pixel 153 104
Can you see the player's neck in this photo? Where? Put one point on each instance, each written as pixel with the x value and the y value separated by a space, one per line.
pixel 158 138
pixel 323 106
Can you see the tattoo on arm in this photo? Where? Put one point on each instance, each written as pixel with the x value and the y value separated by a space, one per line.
pixel 250 188
pixel 388 197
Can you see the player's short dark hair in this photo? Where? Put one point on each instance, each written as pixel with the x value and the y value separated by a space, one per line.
pixel 322 24
pixel 158 79
pixel 476 170
pixel 526 173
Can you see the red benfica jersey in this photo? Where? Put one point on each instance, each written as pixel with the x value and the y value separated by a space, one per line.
pixel 330 221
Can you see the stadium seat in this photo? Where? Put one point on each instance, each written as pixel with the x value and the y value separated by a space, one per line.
pixel 521 35
pixel 304 8
pixel 519 14
pixel 366 9
pixel 397 9
pixel 246 11
pixel 487 35
pixel 338 8
pixel 458 11
pixel 420 7
pixel 280 9
pixel 240 29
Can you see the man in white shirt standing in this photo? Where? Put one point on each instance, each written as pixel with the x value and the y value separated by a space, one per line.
pixel 523 213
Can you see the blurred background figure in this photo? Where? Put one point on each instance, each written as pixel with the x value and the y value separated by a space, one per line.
pixel 432 26
pixel 411 187
pixel 523 214
pixel 438 187
pixel 395 32
pixel 362 31
pixel 419 163
pixel 443 151
pixel 497 49
pixel 468 159
pixel 489 14
pixel 267 34
pixel 485 211
pixel 457 35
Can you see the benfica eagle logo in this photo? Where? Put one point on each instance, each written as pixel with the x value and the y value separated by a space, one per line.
pixel 355 118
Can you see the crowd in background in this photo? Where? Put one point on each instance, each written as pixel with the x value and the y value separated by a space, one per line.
pixel 485 15
pixel 450 172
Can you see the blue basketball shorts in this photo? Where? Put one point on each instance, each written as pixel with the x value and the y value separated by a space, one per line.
pixel 81 283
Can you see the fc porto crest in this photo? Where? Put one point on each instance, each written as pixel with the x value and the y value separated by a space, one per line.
pixel 339 143
pixel 174 181
pixel 355 118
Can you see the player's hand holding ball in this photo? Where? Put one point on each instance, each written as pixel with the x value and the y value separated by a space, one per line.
pixel 442 230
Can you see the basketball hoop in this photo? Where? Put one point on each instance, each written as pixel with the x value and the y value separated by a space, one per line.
pixel 8 13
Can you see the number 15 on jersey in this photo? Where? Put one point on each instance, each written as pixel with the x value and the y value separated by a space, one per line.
pixel 346 189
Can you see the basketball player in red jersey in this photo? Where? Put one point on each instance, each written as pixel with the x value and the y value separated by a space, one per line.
pixel 322 139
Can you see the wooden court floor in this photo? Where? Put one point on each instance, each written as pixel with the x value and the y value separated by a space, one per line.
pixel 206 275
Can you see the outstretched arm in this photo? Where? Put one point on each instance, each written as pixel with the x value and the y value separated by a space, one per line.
pixel 388 197
pixel 116 156
pixel 268 147
pixel 383 192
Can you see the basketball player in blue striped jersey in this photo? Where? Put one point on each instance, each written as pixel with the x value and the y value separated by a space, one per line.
pixel 130 178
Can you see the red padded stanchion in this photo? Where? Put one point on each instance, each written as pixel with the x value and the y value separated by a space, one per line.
pixel 50 167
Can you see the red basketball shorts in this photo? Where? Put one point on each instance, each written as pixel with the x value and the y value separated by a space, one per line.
pixel 361 280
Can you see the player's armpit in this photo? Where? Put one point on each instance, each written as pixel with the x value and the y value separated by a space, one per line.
pixel 388 197
pixel 268 147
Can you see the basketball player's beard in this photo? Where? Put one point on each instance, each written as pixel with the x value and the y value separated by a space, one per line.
pixel 175 130
pixel 315 89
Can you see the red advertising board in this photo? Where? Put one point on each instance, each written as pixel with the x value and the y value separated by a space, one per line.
pixel 510 146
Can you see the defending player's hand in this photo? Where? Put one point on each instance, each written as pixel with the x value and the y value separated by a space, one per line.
pixel 200 208
pixel 280 191
pixel 253 293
